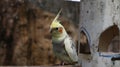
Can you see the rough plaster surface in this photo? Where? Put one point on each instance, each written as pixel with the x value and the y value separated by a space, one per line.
pixel 96 16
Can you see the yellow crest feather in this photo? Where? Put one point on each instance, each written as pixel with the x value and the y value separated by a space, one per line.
pixel 55 22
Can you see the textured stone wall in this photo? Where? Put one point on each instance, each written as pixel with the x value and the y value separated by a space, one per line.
pixel 70 9
pixel 98 19
pixel 24 34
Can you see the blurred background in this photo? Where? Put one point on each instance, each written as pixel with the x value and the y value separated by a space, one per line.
pixel 24 30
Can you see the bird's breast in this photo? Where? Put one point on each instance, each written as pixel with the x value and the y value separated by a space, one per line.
pixel 60 52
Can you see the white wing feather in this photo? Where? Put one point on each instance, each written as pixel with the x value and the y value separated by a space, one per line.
pixel 70 48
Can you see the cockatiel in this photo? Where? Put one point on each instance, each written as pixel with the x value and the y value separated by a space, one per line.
pixel 63 46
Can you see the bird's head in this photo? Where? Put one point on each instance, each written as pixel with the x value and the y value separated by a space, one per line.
pixel 56 28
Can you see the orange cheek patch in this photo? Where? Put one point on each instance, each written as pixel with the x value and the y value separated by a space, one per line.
pixel 60 30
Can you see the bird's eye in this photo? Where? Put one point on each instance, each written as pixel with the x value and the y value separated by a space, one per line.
pixel 56 28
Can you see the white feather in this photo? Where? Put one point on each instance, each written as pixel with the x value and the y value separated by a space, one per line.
pixel 70 48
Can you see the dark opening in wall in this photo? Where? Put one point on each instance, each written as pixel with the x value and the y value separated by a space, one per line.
pixel 114 45
pixel 110 40
pixel 84 45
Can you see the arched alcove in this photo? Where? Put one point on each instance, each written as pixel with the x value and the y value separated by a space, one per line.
pixel 84 44
pixel 114 45
pixel 109 40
